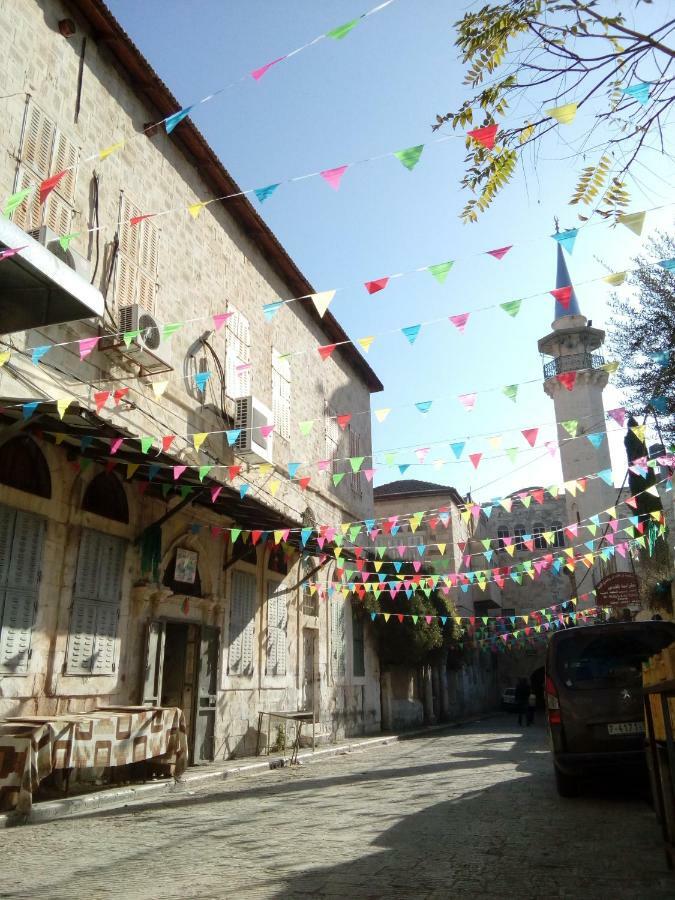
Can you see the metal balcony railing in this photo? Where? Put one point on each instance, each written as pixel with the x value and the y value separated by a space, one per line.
pixel 572 363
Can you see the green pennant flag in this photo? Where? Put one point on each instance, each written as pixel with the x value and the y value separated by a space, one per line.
pixel 65 240
pixel 14 201
pixel 170 329
pixel 510 391
pixel 165 489
pixel 184 491
pixel 512 453
pixel 356 462
pixel 146 444
pixel 571 427
pixel 234 534
pixel 337 478
pixel 306 427
pixel 204 471
pixel 381 551
pixel 512 307
pixel 389 459
pixel 410 157
pixel 342 30
pixel 440 270
pixel 354 532
pixel 130 336
pixel 414 618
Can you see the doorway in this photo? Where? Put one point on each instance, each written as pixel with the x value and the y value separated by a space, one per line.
pixel 308 669
pixel 181 669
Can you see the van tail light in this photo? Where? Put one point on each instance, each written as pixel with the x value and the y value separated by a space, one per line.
pixel 552 702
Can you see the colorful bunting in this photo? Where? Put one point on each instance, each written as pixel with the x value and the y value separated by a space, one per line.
pixel 266 192
pixel 333 177
pixel 485 135
pixel 257 74
pixel 322 301
pixel 378 285
pixel 566 238
pixel 468 401
pixel 410 157
pixel 440 270
pixel 48 185
pixel 500 252
pixel 634 221
pixel 564 114
pixel 511 307
pixel 175 119
pixel 459 321
pixel 567 379
pixel 411 332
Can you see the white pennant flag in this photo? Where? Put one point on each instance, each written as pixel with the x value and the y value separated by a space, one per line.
pixel 322 301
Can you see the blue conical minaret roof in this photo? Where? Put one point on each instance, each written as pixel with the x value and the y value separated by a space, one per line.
pixel 562 279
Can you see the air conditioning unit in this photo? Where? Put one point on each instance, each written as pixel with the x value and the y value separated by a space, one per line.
pixel 148 348
pixel 249 416
pixel 71 258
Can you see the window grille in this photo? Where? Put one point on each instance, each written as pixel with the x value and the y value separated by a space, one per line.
pixel 518 534
pixel 558 534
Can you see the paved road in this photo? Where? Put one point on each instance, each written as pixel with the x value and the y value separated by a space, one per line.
pixel 468 813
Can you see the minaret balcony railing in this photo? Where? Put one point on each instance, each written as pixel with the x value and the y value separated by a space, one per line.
pixel 572 363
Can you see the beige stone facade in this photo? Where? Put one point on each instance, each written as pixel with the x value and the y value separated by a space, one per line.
pixel 180 269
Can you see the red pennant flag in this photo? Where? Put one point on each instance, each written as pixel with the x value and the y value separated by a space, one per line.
pixel 233 471
pixel 134 220
pixel 48 185
pixel 530 435
pixel 344 420
pixel 255 537
pixel 485 135
pixel 100 397
pixel 562 295
pixel 567 379
pixel 119 393
pixel 378 285
pixel 303 482
pixel 167 440
pixel 325 352
pixel 500 253
pixel 538 495
pixel 399 616
pixel 475 459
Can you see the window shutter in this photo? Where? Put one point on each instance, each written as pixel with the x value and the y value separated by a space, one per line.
pixel 38 140
pixel 237 353
pixel 277 621
pixel 126 279
pixel 58 215
pixel 129 234
pixel 105 643
pixel 88 558
pixel 7 517
pixel 29 215
pixel 21 541
pixel 242 608
pixel 80 654
pixel 337 644
pixel 148 252
pixel 145 292
pixel 110 569
pixel 282 625
pixel 65 156
pixel 281 395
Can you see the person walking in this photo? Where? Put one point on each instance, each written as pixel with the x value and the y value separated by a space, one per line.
pixel 522 694
pixel 531 706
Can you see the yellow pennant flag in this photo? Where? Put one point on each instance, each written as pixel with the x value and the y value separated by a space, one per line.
pixel 634 221
pixel 495 442
pixel 639 432
pixel 265 469
pixel 381 414
pixel 337 552
pixel 510 549
pixel 278 537
pixel 195 209
pixel 274 486
pixel 4 357
pixel 62 405
pixel 611 367
pixel 365 342
pixel 131 469
pixel 378 565
pixel 386 617
pixel 158 387
pixel 104 154
pixel 322 300
pixel 565 114
pixel 198 439
pixel 615 279
pixel 441 549
pixel 58 438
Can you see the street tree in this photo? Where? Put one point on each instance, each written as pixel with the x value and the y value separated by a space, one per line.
pixel 565 56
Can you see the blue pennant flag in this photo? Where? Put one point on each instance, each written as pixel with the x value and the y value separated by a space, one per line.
pixel 200 380
pixel 305 535
pixel 243 490
pixel 29 408
pixel 404 468
pixel 86 441
pixel 566 238
pixel 639 92
pixel 171 121
pixel 660 404
pixel 265 192
pixel 411 332
pixel 458 448
pixel 293 469
pixel 424 405
pixel 667 264
pixel 596 438
pixel 271 309
pixel 232 436
pixel 153 471
pixel 38 353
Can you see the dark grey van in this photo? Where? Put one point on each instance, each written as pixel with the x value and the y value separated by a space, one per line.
pixel 593 696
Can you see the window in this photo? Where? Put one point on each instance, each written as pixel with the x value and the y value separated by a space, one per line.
pixel 358 647
pixel 519 534
pixel 92 639
pixel 558 534
pixel 237 355
pixel 23 466
pixel 21 540
pixel 277 620
pixel 337 637
pixel 354 450
pixel 45 151
pixel 105 497
pixel 502 533
pixel 137 259
pixel 333 440
pixel 538 534
pixel 242 626
pixel 281 395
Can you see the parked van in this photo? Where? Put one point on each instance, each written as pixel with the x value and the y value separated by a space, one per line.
pixel 594 702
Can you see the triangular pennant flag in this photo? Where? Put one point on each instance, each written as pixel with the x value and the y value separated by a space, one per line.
pixel 485 135
pixel 195 209
pixel 325 352
pixel 158 388
pixel 48 185
pixel 266 192
pixel 257 74
pixel 468 401
pixel 510 391
pixel 62 405
pixel 566 238
pixel 511 307
pixel 232 436
pixel 113 148
pixel 410 157
pixel 87 345
pixel 440 270
pixel 667 264
pixel 500 252
pixel 616 279
pixel 634 221
pixel 198 439
pixel 333 177
pixel 167 440
pixel 146 443
pixel 411 332
pixel 564 114
pixel 458 448
pixel 4 357
pixel 14 201
pixel 475 459
pixel 530 435
pixel 563 295
pixel 38 352
pixel 337 478
pixel 366 342
pixel 306 427
pixel 342 30
pixel 170 329
pixel 171 121
pixel 243 490
pixel 378 285
pixel 271 309
pixel 596 438
pixel 219 319
pixel 344 420
pixel 201 379
pixel 136 220
pixel 424 406
pixel 639 432
pixel 381 414
pixel 571 427
pixel 322 301
pixel 618 414
pixel 512 453
pixel 639 92
pixel 66 239
pixel 130 336
pixel 567 379
pixel 356 462
pixel 293 469
pixel 100 399
pixel 459 321
pixel 11 251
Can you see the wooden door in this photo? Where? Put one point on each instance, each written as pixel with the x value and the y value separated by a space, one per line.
pixel 154 663
pixel 308 668
pixel 207 686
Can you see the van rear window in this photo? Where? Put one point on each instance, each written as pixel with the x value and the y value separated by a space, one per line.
pixel 608 660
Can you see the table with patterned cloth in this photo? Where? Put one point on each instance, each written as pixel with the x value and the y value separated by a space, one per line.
pixel 32 747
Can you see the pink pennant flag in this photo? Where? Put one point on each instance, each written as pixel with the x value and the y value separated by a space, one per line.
pixel 378 285
pixel 421 453
pixel 178 471
pixel 485 135
pixel 87 345
pixel 468 401
pixel 323 465
pixel 215 491
pixel 369 473
pixel 500 252
pixel 475 459
pixel 325 352
pixel 460 321
pixel 334 176
pixel 562 295
pixel 115 446
pixel 257 74
pixel 618 414
pixel 48 185
pixel 567 379
pixel 219 320
pixel 551 446
pixel 530 435
pixel 266 430
pixel 11 251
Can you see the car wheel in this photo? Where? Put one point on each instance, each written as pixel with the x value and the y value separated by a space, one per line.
pixel 567 785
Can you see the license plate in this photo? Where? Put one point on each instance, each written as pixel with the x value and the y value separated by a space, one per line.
pixel 626 728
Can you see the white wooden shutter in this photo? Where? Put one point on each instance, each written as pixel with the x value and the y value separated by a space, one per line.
pixel 129 234
pixel 65 156
pixel 337 637
pixel 281 395
pixel 242 610
pixel 105 643
pixel 38 140
pixel 21 542
pixel 29 214
pixel 277 621
pixel 58 215
pixel 333 440
pixel 138 259
pixel 237 353
pixel 80 655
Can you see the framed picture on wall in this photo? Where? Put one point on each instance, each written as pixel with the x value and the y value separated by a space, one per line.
pixel 186 565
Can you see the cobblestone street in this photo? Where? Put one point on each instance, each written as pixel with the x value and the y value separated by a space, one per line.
pixel 471 812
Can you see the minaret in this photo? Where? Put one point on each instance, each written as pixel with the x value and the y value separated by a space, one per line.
pixel 572 347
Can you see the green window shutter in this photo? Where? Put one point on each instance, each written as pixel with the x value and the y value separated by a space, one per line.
pixel 21 543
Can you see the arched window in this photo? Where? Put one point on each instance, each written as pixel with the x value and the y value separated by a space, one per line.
pixel 502 532
pixel 519 534
pixel 182 573
pixel 105 496
pixel 278 561
pixel 538 535
pixel 23 466
pixel 558 534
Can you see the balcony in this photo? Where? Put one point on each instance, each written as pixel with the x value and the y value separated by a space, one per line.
pixel 572 363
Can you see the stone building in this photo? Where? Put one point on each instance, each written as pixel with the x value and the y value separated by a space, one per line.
pixel 143 559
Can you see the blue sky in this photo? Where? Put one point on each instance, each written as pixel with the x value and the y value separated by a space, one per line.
pixel 375 91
